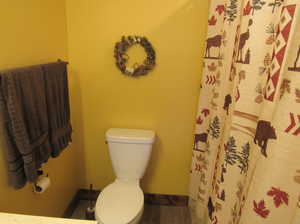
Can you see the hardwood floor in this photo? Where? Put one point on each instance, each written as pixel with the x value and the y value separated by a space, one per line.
pixel 153 214
pixel 166 215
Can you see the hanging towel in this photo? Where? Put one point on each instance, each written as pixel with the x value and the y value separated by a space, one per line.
pixel 58 108
pixel 25 114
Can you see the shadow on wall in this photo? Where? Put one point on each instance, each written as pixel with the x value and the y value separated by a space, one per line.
pixel 154 160
pixel 181 167
pixel 77 124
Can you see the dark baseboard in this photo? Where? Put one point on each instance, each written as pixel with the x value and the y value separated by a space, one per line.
pixel 85 194
pixel 168 200
pixel 150 199
pixel 72 205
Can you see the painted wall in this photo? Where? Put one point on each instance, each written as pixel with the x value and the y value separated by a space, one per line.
pixel 164 101
pixel 34 32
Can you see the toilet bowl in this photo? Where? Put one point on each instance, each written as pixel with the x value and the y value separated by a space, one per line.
pixel 122 202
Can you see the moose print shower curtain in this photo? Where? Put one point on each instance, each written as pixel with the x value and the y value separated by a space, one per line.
pixel 246 154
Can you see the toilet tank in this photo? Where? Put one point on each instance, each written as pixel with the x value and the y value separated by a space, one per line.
pixel 130 151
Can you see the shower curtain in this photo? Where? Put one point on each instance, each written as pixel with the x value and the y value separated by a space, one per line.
pixel 246 154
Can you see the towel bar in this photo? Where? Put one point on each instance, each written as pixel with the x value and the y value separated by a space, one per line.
pixel 59 60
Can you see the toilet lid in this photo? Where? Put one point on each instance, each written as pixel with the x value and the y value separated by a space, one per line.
pixel 119 203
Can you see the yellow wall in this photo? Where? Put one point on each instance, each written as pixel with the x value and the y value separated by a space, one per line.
pixel 165 100
pixel 33 32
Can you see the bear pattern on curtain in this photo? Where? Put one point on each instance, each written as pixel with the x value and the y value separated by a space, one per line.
pixel 246 155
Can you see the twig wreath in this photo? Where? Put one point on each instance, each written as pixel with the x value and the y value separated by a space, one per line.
pixel 122 58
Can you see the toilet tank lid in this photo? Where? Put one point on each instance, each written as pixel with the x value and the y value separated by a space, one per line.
pixel 130 135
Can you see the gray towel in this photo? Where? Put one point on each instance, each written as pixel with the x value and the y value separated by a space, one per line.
pixel 34 103
pixel 23 105
pixel 57 98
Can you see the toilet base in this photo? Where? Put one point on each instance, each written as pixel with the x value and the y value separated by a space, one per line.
pixel 138 217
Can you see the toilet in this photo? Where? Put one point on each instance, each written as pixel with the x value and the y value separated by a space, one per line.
pixel 122 202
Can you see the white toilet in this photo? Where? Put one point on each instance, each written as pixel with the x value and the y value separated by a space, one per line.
pixel 122 201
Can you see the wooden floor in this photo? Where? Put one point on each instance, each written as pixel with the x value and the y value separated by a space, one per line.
pixel 153 214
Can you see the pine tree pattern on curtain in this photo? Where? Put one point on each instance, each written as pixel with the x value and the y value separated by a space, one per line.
pixel 246 154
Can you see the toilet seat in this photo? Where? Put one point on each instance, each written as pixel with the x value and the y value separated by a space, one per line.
pixel 119 203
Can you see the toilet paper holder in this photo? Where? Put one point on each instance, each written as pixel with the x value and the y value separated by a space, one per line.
pixel 36 187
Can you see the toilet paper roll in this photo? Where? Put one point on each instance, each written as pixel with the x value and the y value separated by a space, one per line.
pixel 41 185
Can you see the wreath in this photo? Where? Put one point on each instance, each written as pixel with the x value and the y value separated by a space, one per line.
pixel 122 58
